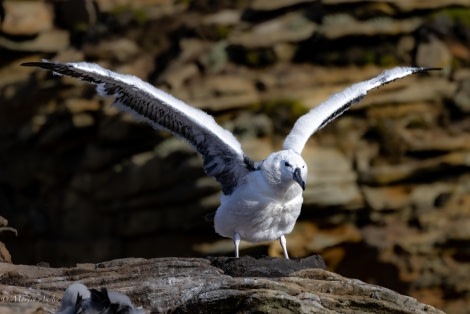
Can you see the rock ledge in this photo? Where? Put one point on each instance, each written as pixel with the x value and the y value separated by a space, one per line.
pixel 182 285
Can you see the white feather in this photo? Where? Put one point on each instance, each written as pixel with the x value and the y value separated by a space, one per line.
pixel 319 116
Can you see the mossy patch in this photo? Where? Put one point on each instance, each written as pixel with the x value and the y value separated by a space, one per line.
pixel 222 31
pixel 457 15
pixel 387 60
pixel 139 15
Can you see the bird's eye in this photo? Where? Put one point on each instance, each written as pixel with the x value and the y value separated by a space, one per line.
pixel 287 164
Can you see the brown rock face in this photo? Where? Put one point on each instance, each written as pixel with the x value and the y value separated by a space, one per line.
pixel 387 193
pixel 27 17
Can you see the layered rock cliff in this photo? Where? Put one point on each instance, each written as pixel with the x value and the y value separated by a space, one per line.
pixel 387 199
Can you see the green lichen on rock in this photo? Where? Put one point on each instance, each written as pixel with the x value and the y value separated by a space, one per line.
pixel 259 57
pixel 139 15
pixel 387 60
pixel 223 31
pixel 457 15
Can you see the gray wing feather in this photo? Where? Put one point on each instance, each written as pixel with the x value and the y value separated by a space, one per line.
pixel 223 157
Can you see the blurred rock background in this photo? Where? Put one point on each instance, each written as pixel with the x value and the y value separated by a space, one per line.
pixel 387 199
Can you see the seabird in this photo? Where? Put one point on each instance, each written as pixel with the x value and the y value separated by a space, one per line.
pixel 78 298
pixel 260 201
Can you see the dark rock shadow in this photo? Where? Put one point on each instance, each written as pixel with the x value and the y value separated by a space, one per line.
pixel 266 266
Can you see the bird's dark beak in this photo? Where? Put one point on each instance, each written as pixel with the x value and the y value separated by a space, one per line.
pixel 298 178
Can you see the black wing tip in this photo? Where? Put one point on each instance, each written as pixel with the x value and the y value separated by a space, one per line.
pixel 55 67
pixel 426 69
pixel 51 66
pixel 35 63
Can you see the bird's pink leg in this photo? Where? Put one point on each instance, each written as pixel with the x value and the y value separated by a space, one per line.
pixel 236 241
pixel 282 239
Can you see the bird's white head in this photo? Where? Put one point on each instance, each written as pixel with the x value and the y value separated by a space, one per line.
pixel 285 168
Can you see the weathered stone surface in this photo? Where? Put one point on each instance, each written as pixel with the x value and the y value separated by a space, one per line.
pixel 444 226
pixel 331 180
pixel 80 105
pixel 271 267
pixel 411 5
pixel 50 41
pixel 289 28
pixel 224 17
pixel 233 92
pixel 5 256
pixel 267 5
pixel 121 50
pixel 462 97
pixel 423 4
pixel 435 140
pixel 414 170
pixel 422 89
pixel 340 25
pixel 26 17
pixel 110 5
pixel 403 196
pixel 215 285
pixel 433 54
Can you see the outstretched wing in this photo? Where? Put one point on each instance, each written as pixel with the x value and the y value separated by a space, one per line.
pixel 338 103
pixel 223 157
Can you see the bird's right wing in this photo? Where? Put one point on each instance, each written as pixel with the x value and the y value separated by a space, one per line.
pixel 338 103
pixel 223 156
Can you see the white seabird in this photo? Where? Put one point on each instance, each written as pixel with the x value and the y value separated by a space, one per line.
pixel 260 201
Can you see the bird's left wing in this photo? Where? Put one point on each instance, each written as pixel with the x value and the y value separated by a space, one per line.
pixel 338 103
pixel 223 156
